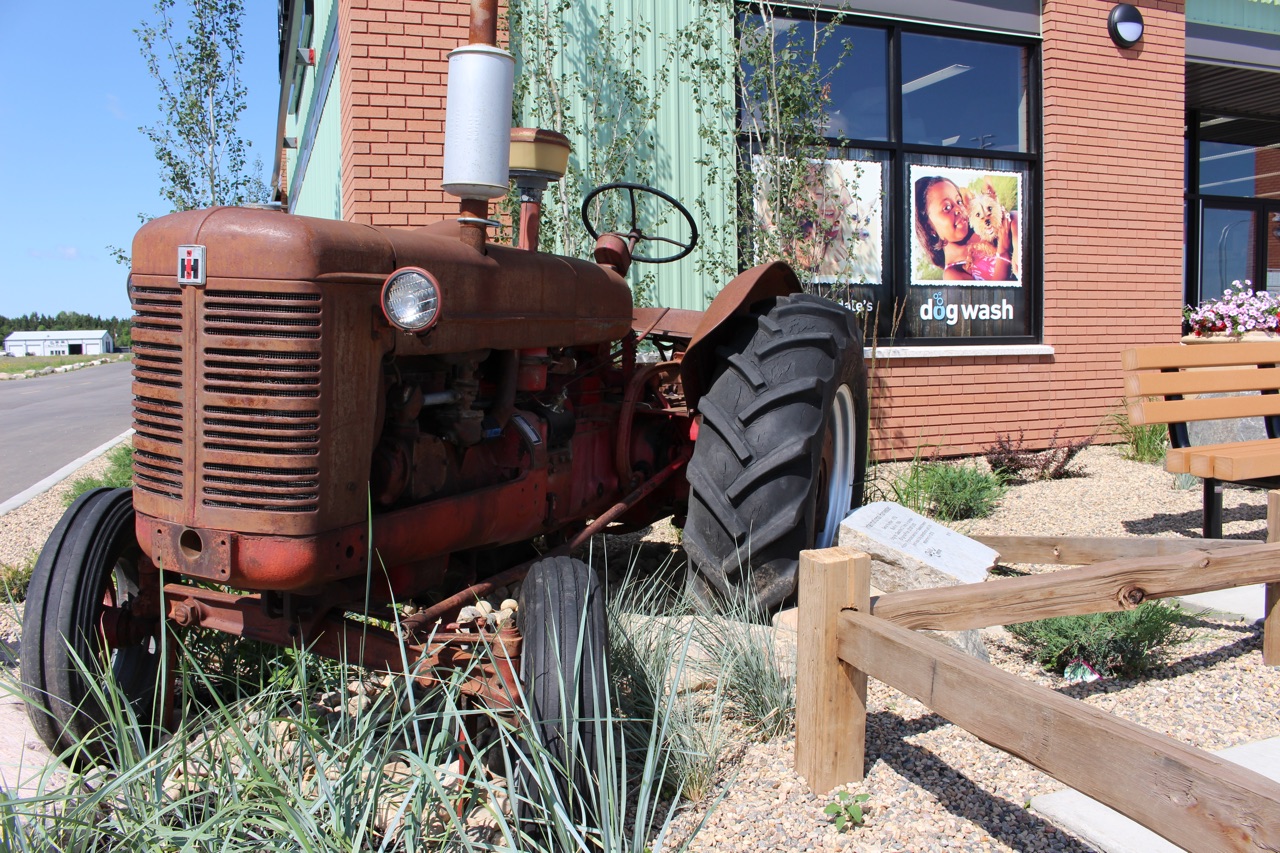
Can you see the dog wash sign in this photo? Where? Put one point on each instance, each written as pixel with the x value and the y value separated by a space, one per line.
pixel 941 311
pixel 966 258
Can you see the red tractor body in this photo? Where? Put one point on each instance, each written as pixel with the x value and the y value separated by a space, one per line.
pixel 333 420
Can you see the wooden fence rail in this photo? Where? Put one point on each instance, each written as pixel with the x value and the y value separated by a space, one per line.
pixel 1193 798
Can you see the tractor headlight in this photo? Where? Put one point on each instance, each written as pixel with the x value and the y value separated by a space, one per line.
pixel 411 299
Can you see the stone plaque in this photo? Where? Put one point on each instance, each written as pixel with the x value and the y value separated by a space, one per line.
pixel 894 534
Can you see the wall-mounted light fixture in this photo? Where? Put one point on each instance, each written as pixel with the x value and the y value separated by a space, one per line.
pixel 290 142
pixel 307 56
pixel 1124 25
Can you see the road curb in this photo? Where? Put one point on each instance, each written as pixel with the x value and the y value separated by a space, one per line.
pixel 61 474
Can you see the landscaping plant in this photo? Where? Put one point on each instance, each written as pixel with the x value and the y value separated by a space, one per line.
pixel 1122 644
pixel 1240 309
pixel 847 810
pixel 15 579
pixel 1139 442
pixel 320 756
pixel 948 491
pixel 1013 460
pixel 119 474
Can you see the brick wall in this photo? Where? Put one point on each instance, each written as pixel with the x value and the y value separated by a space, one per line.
pixel 393 78
pixel 1113 246
pixel 1113 210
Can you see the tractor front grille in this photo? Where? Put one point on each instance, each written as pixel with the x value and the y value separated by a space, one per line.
pixel 260 377
pixel 228 402
pixel 159 365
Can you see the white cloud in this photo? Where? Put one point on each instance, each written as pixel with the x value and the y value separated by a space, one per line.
pixel 60 253
pixel 113 106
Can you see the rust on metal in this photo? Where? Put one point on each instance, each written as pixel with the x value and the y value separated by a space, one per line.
pixel 646 377
pixel 666 323
pixel 748 288
pixel 517 573
pixel 484 22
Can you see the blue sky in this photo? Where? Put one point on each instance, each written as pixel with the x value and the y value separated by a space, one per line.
pixel 75 172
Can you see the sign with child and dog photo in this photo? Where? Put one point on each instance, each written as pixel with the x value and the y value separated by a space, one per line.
pixel 966 248
pixel 966 227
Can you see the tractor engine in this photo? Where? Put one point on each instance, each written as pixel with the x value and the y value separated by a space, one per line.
pixel 277 409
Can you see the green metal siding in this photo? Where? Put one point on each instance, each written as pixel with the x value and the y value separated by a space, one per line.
pixel 679 162
pixel 321 191
pixel 318 190
pixel 1260 16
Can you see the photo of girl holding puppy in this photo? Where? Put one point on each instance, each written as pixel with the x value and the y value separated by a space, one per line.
pixel 966 231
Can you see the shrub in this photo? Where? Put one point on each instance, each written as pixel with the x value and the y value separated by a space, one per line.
pixel 948 491
pixel 1010 458
pixel 119 474
pixel 1126 643
pixel 15 579
pixel 1139 442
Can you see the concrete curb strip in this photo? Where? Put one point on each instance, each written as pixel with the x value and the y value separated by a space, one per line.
pixel 61 474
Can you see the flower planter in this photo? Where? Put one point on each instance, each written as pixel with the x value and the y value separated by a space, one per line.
pixel 1228 338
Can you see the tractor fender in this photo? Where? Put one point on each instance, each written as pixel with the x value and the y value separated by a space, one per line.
pixel 765 281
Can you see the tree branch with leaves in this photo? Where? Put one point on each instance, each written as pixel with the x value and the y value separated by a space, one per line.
pixel 195 60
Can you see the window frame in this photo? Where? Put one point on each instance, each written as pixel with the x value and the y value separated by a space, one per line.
pixel 1196 202
pixel 898 236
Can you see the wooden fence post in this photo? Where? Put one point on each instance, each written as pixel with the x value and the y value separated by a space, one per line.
pixel 831 696
pixel 1271 605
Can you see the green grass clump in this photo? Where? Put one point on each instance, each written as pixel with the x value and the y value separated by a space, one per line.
pixel 1123 644
pixel 1139 442
pixel 119 474
pixel 269 766
pixel 16 579
pixel 948 491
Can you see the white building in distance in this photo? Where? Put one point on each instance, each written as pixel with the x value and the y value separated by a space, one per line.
pixel 95 342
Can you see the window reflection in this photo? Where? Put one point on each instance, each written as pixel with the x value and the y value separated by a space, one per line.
pixel 1272 282
pixel 847 64
pixel 1227 241
pixel 1239 157
pixel 963 93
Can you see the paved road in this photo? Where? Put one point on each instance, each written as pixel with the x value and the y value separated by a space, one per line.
pixel 52 420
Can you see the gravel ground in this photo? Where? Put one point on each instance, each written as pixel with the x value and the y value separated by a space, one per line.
pixel 934 787
pixel 24 530
pixel 931 785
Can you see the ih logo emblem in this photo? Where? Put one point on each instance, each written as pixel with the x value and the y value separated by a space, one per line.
pixel 191 265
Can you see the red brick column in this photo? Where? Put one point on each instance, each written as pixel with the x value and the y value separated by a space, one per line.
pixel 1112 253
pixel 393 78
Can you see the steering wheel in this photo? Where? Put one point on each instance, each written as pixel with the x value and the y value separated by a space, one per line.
pixel 636 235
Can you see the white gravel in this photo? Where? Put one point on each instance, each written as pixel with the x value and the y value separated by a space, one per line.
pixel 933 786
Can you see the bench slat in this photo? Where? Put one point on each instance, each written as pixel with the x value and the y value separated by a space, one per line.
pixel 1177 460
pixel 1205 355
pixel 1203 409
pixel 1238 463
pixel 1249 467
pixel 1221 381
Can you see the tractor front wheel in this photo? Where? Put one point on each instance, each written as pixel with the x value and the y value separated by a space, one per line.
pixel 781 452
pixel 562 672
pixel 80 621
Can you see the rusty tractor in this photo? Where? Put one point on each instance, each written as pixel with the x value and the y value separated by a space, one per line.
pixel 334 419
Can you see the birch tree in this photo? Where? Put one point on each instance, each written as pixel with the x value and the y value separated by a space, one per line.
pixel 196 63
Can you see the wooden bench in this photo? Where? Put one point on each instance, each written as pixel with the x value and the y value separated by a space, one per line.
pixel 1164 384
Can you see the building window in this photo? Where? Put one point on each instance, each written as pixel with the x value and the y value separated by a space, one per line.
pixel 924 174
pixel 1233 221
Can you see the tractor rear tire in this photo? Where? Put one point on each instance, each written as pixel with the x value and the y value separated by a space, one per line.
pixel 781 453
pixel 562 672
pixel 90 561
